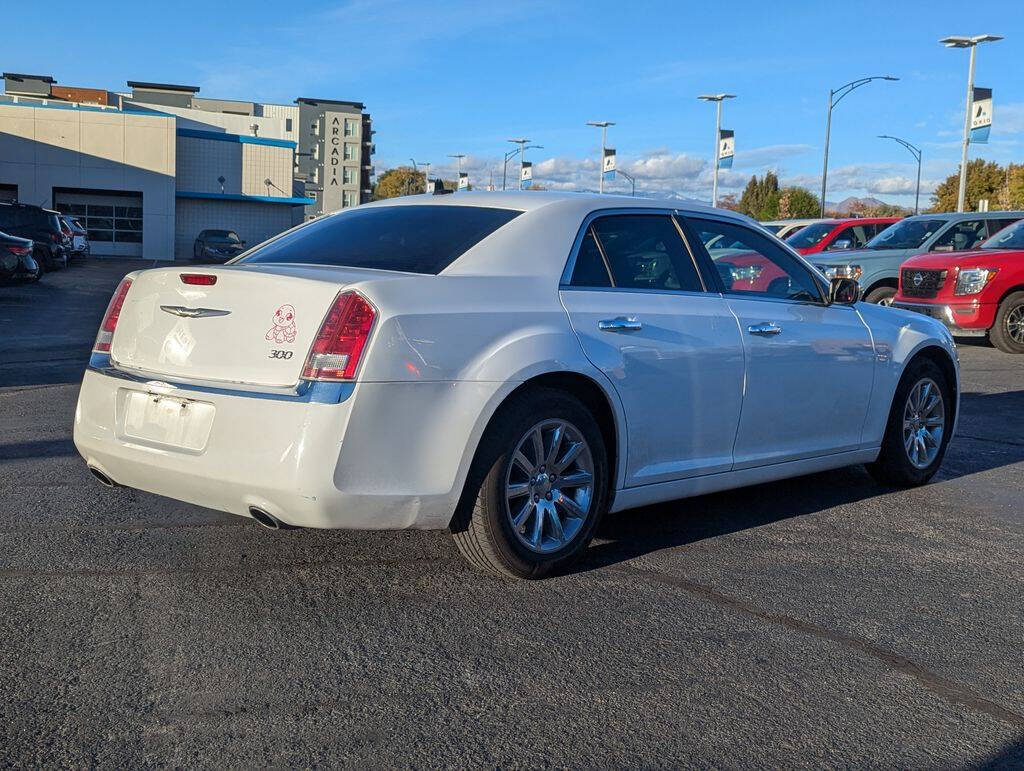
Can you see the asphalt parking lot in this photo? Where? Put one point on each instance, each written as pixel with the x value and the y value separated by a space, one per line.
pixel 821 621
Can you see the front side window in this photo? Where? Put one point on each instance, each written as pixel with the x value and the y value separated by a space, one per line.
pixel 961 236
pixel 856 235
pixel 635 251
pixel 414 239
pixel 758 267
pixel 910 233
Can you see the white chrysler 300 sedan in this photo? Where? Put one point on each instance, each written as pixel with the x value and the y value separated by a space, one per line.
pixel 508 366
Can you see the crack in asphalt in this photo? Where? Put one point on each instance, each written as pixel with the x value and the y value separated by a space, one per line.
pixel 988 439
pixel 950 690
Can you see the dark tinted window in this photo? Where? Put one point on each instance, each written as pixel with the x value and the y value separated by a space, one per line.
pixel 645 251
pixel 812 235
pixel 760 267
pixel 1007 238
pixel 590 269
pixel 417 239
pixel 906 234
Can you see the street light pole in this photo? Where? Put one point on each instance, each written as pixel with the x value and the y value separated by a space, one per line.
pixel 631 178
pixel 522 142
pixel 916 152
pixel 835 96
pixel 458 174
pixel 415 167
pixel 603 125
pixel 717 99
pixel 957 41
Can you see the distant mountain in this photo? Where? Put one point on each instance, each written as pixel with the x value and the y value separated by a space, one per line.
pixel 848 204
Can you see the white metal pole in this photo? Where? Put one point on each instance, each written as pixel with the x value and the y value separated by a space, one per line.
pixel 962 193
pixel 600 164
pixel 718 130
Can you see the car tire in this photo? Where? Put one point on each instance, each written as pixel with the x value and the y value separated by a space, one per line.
pixel 881 296
pixel 38 273
pixel 41 262
pixel 1007 333
pixel 909 457
pixel 509 485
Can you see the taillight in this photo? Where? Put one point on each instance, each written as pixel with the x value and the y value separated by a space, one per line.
pixel 340 342
pixel 55 237
pixel 198 279
pixel 109 323
pixel 21 251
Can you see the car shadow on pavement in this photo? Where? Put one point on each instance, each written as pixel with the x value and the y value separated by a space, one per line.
pixel 630 534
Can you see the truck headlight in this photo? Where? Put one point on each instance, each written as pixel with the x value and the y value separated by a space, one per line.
pixel 842 271
pixel 973 280
pixel 746 273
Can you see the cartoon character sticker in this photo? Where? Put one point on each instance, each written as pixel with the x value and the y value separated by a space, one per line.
pixel 283 330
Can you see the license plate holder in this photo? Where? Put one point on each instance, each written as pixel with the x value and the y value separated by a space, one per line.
pixel 164 421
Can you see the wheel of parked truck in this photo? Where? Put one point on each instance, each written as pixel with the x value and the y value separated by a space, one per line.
pixel 1007 334
pixel 918 431
pixel 537 487
pixel 881 296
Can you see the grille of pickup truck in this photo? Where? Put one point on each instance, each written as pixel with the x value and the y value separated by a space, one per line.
pixel 915 282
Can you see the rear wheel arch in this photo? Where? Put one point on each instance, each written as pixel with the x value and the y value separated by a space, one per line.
pixel 575 384
pixel 891 283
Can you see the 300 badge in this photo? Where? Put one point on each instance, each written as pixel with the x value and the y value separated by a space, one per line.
pixel 280 354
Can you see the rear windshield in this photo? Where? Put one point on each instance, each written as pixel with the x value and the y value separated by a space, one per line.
pixel 413 239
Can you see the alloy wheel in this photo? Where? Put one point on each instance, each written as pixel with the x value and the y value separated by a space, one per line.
pixel 1015 324
pixel 924 420
pixel 549 486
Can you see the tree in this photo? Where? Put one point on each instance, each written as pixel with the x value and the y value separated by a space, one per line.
pixel 1014 198
pixel 797 202
pixel 402 180
pixel 985 179
pixel 760 198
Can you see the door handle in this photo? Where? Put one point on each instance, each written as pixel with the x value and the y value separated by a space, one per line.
pixel 766 329
pixel 620 324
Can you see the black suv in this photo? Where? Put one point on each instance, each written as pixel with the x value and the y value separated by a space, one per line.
pixel 40 225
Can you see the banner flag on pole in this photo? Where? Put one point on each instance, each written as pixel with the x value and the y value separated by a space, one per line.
pixel 981 115
pixel 463 180
pixel 726 148
pixel 526 176
pixel 608 163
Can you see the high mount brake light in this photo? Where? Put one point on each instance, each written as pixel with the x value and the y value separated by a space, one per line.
pixel 106 334
pixel 339 344
pixel 198 279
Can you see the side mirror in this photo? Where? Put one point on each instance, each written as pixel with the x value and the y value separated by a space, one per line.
pixel 843 291
pixel 842 243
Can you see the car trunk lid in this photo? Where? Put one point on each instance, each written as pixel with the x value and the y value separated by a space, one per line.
pixel 252 326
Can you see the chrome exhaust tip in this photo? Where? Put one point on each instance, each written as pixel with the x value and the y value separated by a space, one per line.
pixel 103 478
pixel 267 519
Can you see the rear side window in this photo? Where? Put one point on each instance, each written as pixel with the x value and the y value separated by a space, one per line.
pixel 635 251
pixel 414 239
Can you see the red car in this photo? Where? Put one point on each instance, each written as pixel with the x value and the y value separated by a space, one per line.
pixel 838 234
pixel 974 293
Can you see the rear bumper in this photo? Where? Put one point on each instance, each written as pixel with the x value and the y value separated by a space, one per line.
pixel 962 319
pixel 295 455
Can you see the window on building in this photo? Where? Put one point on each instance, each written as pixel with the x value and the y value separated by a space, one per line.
pixel 104 222
pixel 350 127
pixel 347 175
pixel 288 125
pixel 311 194
pixel 350 151
pixel 315 128
pixel 347 199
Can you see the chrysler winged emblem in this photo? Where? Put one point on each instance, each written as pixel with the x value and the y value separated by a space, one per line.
pixel 192 313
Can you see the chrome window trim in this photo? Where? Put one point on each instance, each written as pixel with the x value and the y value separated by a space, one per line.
pixel 565 282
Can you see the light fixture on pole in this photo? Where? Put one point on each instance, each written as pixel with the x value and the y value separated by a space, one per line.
pixel 717 99
pixel 522 142
pixel 458 177
pixel 956 41
pixel 603 125
pixel 916 152
pixel 835 96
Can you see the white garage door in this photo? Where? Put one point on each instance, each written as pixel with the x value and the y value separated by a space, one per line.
pixel 114 222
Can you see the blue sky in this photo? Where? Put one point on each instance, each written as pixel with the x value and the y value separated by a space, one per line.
pixel 463 77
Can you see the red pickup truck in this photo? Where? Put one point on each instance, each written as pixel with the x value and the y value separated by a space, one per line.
pixel 974 293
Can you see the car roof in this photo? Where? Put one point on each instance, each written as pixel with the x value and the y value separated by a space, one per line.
pixel 967 215
pixel 797 221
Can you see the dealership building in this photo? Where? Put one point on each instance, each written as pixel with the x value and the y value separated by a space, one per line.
pixel 146 169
